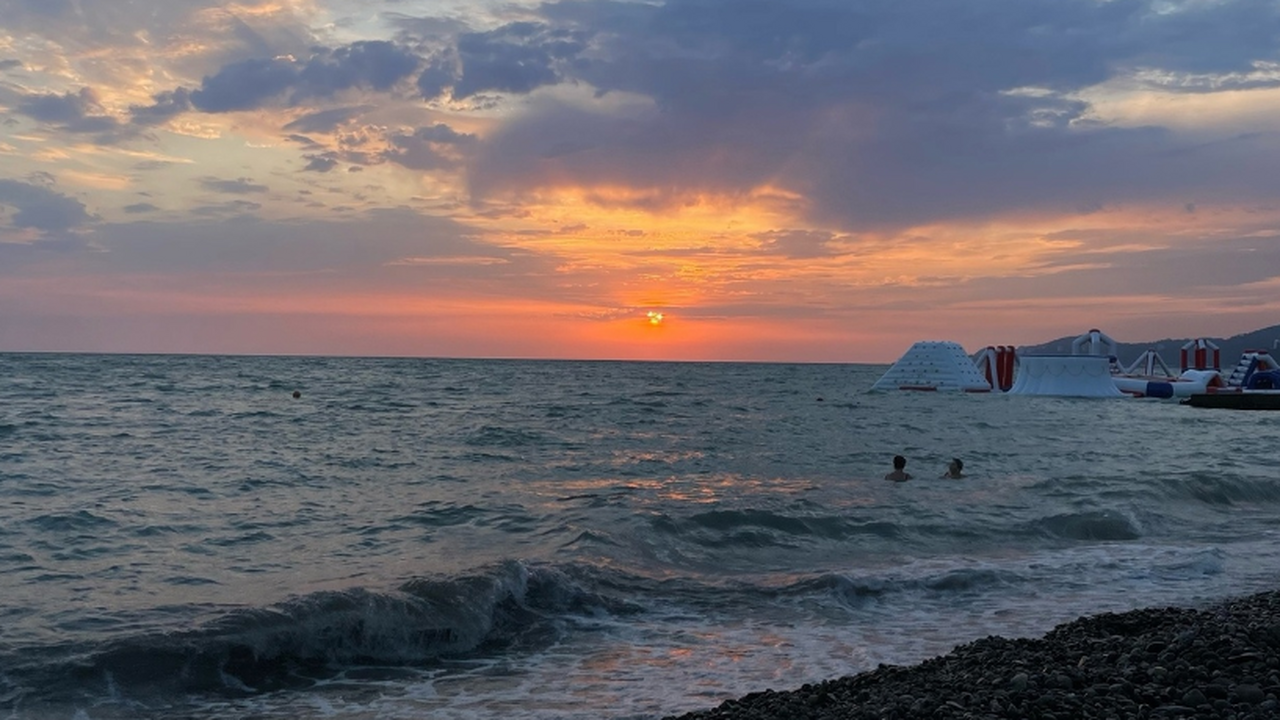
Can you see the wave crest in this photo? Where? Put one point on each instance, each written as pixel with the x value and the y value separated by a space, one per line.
pixel 763 528
pixel 1093 525
pixel 311 637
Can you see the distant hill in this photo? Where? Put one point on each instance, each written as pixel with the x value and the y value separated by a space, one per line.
pixel 1169 349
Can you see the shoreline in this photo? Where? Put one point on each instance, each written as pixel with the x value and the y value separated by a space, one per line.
pixel 1221 661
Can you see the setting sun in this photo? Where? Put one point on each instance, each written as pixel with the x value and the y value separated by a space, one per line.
pixel 655 318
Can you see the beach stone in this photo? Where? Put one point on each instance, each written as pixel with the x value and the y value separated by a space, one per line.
pixel 1251 694
pixel 1018 683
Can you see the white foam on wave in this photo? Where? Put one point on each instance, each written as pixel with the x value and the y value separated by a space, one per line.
pixel 671 659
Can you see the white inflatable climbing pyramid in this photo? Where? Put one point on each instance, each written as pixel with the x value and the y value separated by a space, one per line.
pixel 934 365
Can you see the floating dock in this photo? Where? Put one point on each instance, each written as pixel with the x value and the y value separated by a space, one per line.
pixel 1242 400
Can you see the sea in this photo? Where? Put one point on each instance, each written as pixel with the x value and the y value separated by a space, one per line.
pixel 183 537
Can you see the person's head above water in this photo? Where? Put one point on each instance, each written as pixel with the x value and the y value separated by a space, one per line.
pixel 898 474
pixel 954 468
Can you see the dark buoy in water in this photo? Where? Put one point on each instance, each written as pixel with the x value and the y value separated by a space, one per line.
pixel 296 394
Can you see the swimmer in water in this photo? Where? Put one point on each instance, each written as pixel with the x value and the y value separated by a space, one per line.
pixel 899 473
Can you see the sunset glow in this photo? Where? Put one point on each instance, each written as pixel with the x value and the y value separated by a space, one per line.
pixel 333 177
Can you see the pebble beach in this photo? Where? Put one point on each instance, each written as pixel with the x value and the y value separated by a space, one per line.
pixel 1222 661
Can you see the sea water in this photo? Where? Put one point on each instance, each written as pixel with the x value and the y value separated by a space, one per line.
pixel 182 537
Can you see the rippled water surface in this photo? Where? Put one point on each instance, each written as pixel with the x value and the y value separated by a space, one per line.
pixel 180 536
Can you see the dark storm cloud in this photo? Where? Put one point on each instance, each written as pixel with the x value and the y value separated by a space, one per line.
pixel 78 112
pixel 516 58
pixel 373 65
pixel 245 85
pixel 166 105
pixel 40 208
pixel 320 163
pixel 1219 37
pixel 429 148
pixel 912 50
pixel 66 108
pixel 879 112
pixel 440 74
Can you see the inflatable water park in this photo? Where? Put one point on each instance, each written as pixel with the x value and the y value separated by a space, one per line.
pixel 1092 369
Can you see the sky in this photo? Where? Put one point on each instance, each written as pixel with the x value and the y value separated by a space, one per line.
pixel 759 180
